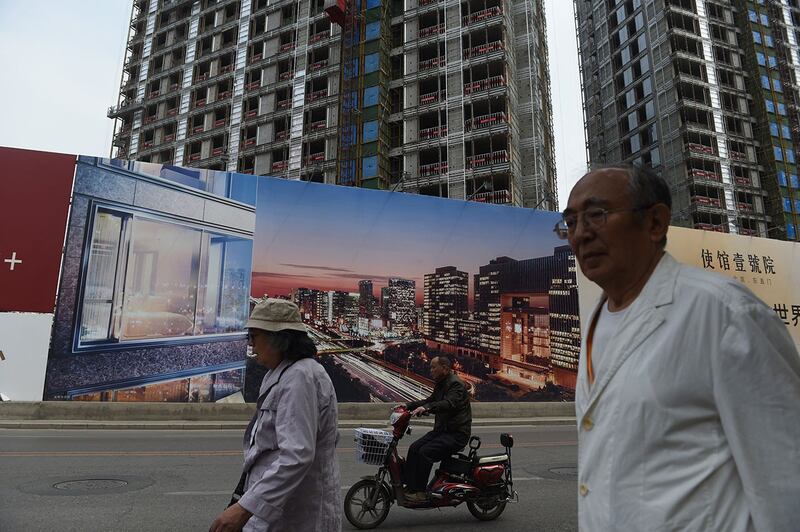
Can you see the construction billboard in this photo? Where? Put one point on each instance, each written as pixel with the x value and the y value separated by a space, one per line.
pixel 126 281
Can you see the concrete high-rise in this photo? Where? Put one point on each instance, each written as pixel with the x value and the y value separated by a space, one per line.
pixel 445 304
pixel 705 91
pixel 440 97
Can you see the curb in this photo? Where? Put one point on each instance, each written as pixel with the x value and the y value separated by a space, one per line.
pixel 241 425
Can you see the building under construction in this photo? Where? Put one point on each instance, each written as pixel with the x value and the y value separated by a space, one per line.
pixel 440 97
pixel 706 91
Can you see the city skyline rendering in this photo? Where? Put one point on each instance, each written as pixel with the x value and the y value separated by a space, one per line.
pixel 329 238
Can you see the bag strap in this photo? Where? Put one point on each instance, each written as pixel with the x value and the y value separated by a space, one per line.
pixel 239 491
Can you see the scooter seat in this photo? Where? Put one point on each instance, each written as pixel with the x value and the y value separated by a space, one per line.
pixel 492 459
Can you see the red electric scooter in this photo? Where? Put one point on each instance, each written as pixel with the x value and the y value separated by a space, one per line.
pixel 483 482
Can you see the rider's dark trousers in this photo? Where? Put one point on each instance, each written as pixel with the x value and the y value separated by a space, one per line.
pixel 432 447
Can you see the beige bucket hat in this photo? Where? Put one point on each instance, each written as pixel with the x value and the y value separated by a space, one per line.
pixel 276 315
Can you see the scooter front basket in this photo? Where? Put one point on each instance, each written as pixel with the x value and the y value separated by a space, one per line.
pixel 371 445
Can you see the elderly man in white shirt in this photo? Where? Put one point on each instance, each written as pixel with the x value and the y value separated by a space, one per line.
pixel 688 394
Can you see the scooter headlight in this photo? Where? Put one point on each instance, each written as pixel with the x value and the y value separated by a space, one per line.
pixel 394 417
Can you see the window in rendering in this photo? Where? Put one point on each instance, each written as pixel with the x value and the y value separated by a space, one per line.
pixel 149 278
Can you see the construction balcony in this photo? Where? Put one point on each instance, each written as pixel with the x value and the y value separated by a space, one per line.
pixel 318 36
pixel 439 168
pixel 431 31
pixel 719 228
pixel 738 156
pixel 485 121
pixel 484 15
pixel 428 64
pixel 483 50
pixel 700 148
pixel 435 132
pixel 318 65
pixel 314 158
pixel 485 160
pixel 316 95
pixel 484 84
pixel 708 202
pixel 431 98
pixel 497 197
pixel 158 117
pixel 315 127
pixel 705 175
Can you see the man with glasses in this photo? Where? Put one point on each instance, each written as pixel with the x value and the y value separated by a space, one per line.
pixel 688 393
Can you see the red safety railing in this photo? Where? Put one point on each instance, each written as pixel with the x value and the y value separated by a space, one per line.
pixel 433 132
pixel 319 36
pixel 316 95
pixel 487 159
pixel 433 169
pixel 485 121
pixel 700 148
pixel 483 49
pixel 431 97
pixel 431 63
pixel 482 15
pixel 497 197
pixel 485 84
pixel 431 30
pixel 706 201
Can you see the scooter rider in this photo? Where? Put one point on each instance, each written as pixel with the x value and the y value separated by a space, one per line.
pixel 451 430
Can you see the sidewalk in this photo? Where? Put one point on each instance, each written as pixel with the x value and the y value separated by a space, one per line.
pixel 73 424
pixel 235 416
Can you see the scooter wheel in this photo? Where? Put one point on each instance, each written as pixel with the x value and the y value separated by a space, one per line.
pixel 357 507
pixel 486 509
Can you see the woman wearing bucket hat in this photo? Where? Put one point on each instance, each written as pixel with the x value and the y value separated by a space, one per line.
pixel 291 477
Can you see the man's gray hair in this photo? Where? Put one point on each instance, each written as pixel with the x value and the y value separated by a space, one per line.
pixel 645 187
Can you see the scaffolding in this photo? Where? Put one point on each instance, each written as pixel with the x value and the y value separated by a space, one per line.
pixel 356 149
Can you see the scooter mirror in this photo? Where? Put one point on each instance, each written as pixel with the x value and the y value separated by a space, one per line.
pixel 506 440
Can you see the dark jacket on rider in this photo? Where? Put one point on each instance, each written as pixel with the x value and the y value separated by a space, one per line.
pixel 450 402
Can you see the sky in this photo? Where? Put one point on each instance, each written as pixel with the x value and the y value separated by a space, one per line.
pixel 347 235
pixel 62 64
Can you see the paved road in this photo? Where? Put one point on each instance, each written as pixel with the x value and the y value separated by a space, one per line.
pixel 179 480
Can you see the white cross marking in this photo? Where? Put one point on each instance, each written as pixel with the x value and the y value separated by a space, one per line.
pixel 13 260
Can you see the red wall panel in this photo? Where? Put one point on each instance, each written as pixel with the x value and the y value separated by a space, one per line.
pixel 35 190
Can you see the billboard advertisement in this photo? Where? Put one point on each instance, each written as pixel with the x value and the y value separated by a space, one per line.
pixel 385 281
pixel 127 281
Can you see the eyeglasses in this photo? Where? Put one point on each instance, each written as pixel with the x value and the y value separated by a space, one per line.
pixel 594 217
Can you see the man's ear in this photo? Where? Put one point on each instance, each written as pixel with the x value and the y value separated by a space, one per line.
pixel 660 216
